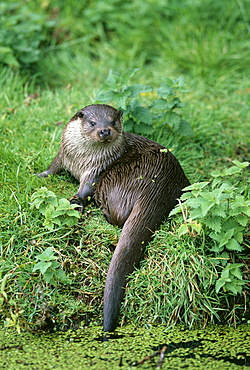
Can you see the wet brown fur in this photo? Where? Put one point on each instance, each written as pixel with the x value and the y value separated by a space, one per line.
pixel 136 184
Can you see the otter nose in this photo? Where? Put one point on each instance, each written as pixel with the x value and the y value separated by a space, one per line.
pixel 104 133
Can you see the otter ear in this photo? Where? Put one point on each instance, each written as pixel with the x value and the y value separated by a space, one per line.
pixel 80 114
pixel 120 113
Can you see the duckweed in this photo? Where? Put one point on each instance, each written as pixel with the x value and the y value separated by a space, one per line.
pixel 215 347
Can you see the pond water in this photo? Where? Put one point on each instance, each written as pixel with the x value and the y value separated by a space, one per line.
pixel 154 347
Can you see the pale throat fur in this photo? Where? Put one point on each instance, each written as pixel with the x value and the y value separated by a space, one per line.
pixel 76 146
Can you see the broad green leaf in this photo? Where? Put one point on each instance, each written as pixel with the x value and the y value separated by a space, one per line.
pixel 235 286
pixel 243 219
pixel 104 96
pixel 120 98
pixel 47 255
pixel 42 266
pixel 196 213
pixel 197 185
pixel 223 237
pixel 159 104
pixel 225 274
pixel 241 164
pixel 165 91
pixel 142 114
pixel 113 79
pixel 182 230
pixel 231 171
pixel 127 75
pixel 143 127
pixel 55 264
pixel 205 205
pixel 136 90
pixel 73 213
pixel 48 224
pixel 233 245
pixel 180 83
pixel 235 270
pixel 48 276
pixel 70 221
pixel 219 210
pixel 49 210
pixel 173 120
pixel 219 284
pixel 7 57
pixel 214 222
pixel 60 275
pixel 129 124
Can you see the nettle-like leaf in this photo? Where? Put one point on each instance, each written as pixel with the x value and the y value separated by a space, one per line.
pixel 42 198
pixel 166 90
pixel 115 79
pixel 56 211
pixel 159 114
pixel 233 245
pixel 214 223
pixel 142 114
pixel 158 104
pixel 243 220
pixel 240 206
pixel 142 128
pixel 104 96
pixel 220 210
pixel 231 278
pixel 138 89
pixel 223 237
pixel 64 207
pixel 194 191
pixel 241 165
pixel 50 268
pixel 173 120
pixel 221 283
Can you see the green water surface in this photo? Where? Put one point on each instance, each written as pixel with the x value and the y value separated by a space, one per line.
pixel 215 347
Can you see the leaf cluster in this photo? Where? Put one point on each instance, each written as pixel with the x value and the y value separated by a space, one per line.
pixel 220 210
pixel 50 268
pixel 55 211
pixel 23 34
pixel 161 113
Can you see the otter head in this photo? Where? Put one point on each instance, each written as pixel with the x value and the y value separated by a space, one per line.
pixel 100 123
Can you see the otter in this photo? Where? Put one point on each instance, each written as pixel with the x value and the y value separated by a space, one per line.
pixel 135 181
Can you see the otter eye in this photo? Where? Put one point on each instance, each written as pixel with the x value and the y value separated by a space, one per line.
pixel 113 123
pixel 92 123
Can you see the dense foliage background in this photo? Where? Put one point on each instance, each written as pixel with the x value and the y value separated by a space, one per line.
pixel 180 71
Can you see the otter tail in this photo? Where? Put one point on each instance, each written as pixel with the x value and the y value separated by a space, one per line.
pixel 136 234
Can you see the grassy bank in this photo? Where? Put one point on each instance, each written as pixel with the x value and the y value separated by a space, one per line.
pixel 207 43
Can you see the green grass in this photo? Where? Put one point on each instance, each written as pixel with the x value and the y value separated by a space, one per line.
pixel 207 42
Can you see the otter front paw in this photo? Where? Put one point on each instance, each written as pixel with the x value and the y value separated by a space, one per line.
pixel 79 202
